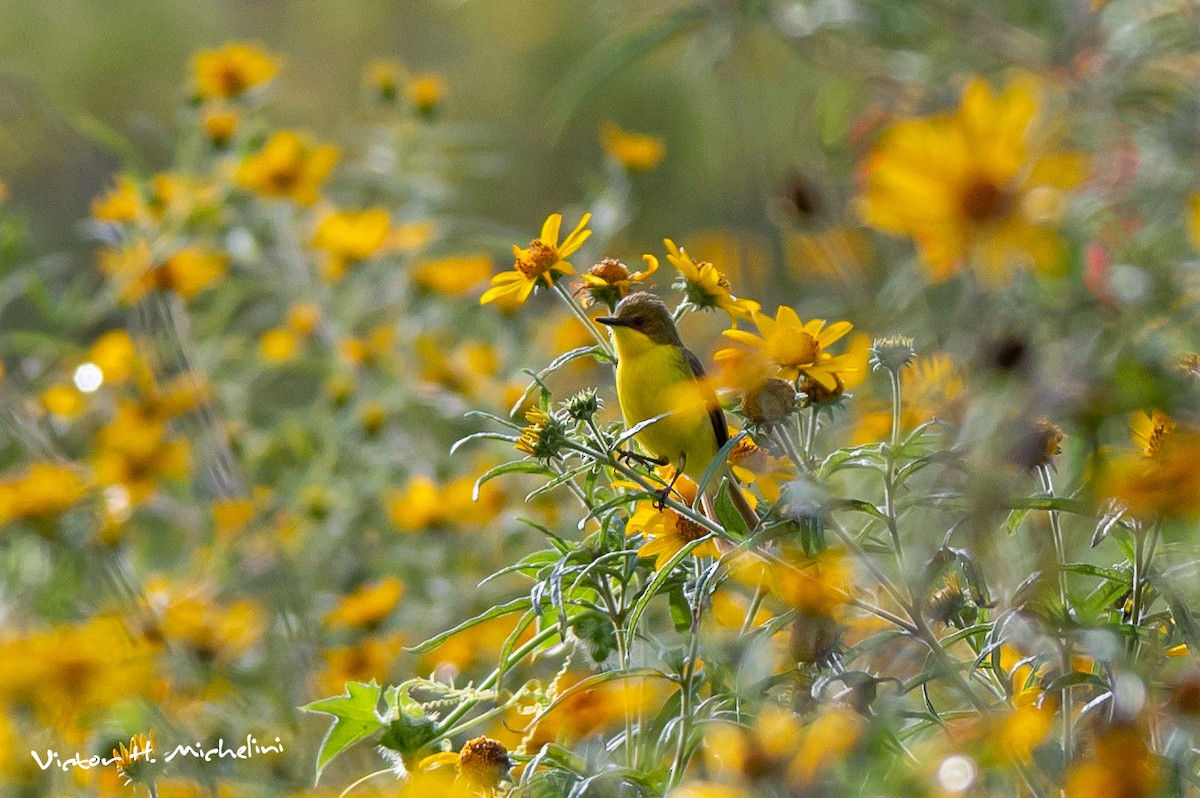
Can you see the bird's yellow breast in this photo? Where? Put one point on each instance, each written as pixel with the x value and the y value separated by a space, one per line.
pixel 653 379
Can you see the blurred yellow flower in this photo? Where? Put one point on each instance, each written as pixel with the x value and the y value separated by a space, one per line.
pixel 416 506
pixel 230 71
pixel 426 91
pixel 1166 483
pixel 1148 430
pixel 453 275
pixel 278 345
pixel 193 616
pixel 933 386
pixel 122 203
pixel 636 152
pixel 666 531
pixel 134 452
pixel 708 789
pixel 372 658
pixel 367 606
pixel 409 237
pixel 349 237
pixel 71 672
pixel 63 400
pixel 382 78
pixel 190 270
pixel 975 186
pixel 41 489
pixel 794 347
pixel 828 739
pixel 289 166
pixel 219 123
pixel 1193 219
pixel 703 284
pixel 541 263
pixel 303 318
pixel 135 272
pixel 116 356
pixel 754 465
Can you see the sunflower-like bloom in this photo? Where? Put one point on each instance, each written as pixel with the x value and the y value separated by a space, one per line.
pixel 348 237
pixel 973 185
pixel 666 531
pixel 540 263
pixel 232 70
pixel 703 284
pixel 367 606
pixel 793 347
pixel 1148 430
pixel 610 280
pixel 289 165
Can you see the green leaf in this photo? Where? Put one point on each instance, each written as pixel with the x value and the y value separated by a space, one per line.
pixel 727 512
pixel 515 467
pixel 1015 517
pixel 516 605
pixel 355 718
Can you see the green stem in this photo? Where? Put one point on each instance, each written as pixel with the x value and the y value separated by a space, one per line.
pixel 889 477
pixel 1060 561
pixel 573 306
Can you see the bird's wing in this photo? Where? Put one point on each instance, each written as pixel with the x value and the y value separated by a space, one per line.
pixel 715 414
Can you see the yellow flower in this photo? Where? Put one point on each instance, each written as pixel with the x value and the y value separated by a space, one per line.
pixel 288 166
pixel 230 71
pixel 135 761
pixel 409 237
pixel 219 123
pixel 42 489
pixel 666 531
pixel 348 237
pixel 931 386
pixel 122 203
pixel 70 673
pixel 794 347
pixel 116 356
pixel 1167 482
pixel 754 465
pixel 703 284
pixel 636 152
pixel 425 92
pixel 1193 220
pixel 382 77
pixel 372 658
pixel 541 263
pixel 482 762
pixel 133 451
pixel 417 505
pixel 193 616
pixel 610 280
pixel 973 185
pixel 135 272
pixel 63 400
pixel 367 606
pixel 1149 430
pixel 453 275
pixel 278 344
pixel 190 270
pixel 303 318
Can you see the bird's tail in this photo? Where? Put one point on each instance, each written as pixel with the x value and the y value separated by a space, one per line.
pixel 729 485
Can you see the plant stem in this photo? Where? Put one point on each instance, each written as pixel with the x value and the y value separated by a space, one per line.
pixel 1060 560
pixel 889 477
pixel 573 306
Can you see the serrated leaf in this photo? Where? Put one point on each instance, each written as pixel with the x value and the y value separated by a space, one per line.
pixel 355 715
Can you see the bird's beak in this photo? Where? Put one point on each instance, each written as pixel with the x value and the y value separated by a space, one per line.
pixel 611 321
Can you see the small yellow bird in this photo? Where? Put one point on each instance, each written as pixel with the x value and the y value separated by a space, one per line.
pixel 657 375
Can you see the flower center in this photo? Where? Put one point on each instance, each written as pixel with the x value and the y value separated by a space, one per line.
pixel 611 271
pixel 688 529
pixel 983 200
pixel 793 349
pixel 232 80
pixel 541 258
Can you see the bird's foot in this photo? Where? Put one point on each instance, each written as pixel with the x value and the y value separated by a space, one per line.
pixel 629 457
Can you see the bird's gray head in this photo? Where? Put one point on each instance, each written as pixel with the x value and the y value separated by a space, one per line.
pixel 645 313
